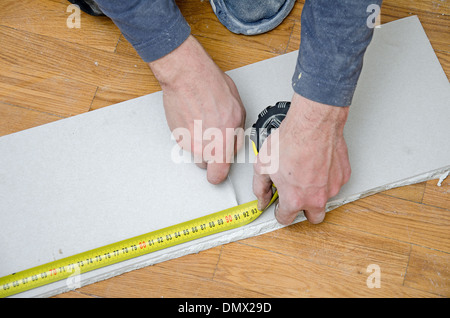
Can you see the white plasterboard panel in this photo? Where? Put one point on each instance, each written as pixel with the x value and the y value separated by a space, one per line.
pixel 391 143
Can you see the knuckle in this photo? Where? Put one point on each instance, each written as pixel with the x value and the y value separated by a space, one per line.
pixel 347 174
pixel 296 203
pixel 236 117
pixel 334 190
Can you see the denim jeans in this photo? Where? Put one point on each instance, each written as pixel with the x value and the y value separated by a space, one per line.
pixel 334 38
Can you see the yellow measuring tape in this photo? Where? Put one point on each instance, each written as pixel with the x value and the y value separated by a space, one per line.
pixel 140 245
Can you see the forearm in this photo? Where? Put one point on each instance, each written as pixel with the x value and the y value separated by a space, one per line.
pixel 334 38
pixel 154 27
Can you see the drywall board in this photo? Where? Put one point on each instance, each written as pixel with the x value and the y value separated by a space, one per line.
pixel 117 160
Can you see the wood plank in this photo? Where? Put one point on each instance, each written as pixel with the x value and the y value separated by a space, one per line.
pixel 145 83
pixel 49 18
pixel 438 196
pixel 125 47
pixel 278 275
pixel 440 7
pixel 429 270
pixel 41 54
pixel 294 39
pixel 46 92
pixel 399 219
pixel 106 96
pixel 202 264
pixel 338 247
pixel 413 192
pixel 14 119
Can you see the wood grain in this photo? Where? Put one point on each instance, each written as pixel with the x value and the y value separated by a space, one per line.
pixel 438 196
pixel 396 218
pixel 49 18
pixel 49 72
pixel 14 119
pixel 427 270
pixel 278 275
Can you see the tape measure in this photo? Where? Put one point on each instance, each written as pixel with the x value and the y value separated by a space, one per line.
pixel 140 245
pixel 147 243
pixel 270 118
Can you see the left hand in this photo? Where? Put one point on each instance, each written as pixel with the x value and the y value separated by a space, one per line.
pixel 311 160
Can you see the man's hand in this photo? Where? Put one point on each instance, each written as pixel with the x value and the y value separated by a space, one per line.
pixel 313 161
pixel 196 91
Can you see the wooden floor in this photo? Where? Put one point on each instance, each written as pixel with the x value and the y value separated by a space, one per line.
pixel 49 72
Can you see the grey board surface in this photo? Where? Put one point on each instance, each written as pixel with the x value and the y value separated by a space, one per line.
pixel 96 178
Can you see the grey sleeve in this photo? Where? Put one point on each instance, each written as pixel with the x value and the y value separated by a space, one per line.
pixel 334 38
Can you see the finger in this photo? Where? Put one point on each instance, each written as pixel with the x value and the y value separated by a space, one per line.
pixel 217 172
pixel 284 214
pixel 290 204
pixel 315 216
pixel 262 188
pixel 316 205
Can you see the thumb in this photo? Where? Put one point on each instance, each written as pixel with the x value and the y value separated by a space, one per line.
pixel 262 188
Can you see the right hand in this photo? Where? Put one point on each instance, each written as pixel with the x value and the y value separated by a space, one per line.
pixel 194 88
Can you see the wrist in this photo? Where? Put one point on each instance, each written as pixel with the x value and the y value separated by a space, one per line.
pixel 314 115
pixel 174 68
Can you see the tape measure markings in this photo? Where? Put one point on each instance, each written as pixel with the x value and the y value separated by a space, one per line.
pixel 130 248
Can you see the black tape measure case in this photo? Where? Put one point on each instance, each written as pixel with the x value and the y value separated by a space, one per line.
pixel 270 118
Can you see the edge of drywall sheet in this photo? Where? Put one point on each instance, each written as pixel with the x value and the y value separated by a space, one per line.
pixel 250 230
